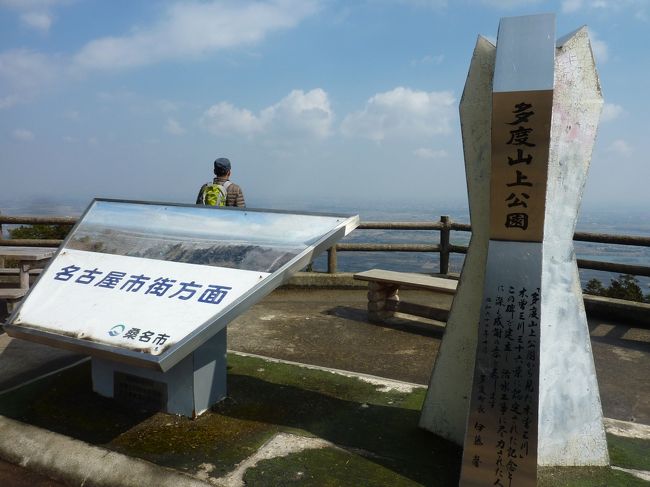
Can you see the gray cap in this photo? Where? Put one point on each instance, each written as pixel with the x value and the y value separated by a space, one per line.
pixel 222 163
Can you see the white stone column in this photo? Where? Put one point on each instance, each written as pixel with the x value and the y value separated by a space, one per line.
pixel 570 428
pixel 447 402
pixel 570 422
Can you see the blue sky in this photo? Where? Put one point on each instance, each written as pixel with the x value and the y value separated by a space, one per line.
pixel 312 100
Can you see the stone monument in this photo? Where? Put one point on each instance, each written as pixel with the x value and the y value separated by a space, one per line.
pixel 514 381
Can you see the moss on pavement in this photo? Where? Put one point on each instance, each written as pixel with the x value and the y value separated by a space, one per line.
pixel 374 436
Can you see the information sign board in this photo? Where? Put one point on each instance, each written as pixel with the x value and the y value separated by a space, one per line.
pixel 148 283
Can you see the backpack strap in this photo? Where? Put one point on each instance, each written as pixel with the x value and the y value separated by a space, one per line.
pixel 226 185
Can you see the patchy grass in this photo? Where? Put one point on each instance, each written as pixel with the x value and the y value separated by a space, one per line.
pixel 264 398
pixel 586 477
pixel 328 467
pixel 375 433
pixel 629 452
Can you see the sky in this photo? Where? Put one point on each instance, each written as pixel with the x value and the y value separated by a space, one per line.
pixel 315 102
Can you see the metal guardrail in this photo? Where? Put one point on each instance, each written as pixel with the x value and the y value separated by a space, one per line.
pixel 445 226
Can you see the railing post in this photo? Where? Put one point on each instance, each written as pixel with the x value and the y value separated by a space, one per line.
pixel 444 244
pixel 331 260
pixel 2 259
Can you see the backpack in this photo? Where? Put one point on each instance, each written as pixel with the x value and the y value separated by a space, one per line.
pixel 215 194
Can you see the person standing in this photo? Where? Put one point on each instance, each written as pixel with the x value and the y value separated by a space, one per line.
pixel 221 191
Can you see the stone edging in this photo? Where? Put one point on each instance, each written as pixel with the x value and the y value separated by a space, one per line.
pixel 78 463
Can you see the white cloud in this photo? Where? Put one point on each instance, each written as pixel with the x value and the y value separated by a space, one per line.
pixel 26 69
pixel 195 28
pixel 35 14
pixel 428 59
pixel 431 4
pixel 22 135
pixel 8 101
pixel 425 153
pixel 173 127
pixel 23 73
pixel 611 111
pixel 425 3
pixel 32 4
pixel 402 113
pixel 569 6
pixel 618 5
pixel 635 7
pixel 226 119
pixel 621 147
pixel 506 4
pixel 37 20
pixel 187 29
pixel 119 96
pixel 599 48
pixel 299 114
pixel 167 106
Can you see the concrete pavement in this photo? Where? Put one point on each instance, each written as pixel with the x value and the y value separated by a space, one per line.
pixel 328 328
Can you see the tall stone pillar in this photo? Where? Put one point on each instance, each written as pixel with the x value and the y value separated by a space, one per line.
pixel 515 380
pixel 445 408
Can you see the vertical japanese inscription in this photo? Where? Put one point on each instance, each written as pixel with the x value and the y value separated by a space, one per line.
pixel 521 124
pixel 500 443
pixel 501 438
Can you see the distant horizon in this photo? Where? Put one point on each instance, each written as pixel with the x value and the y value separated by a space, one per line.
pixel 606 219
pixel 595 219
pixel 294 203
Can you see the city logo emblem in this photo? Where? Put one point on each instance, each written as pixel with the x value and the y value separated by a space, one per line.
pixel 116 330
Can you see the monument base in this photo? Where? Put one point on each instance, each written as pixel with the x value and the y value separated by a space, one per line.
pixel 188 389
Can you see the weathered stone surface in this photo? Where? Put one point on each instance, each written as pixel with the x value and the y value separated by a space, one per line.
pixel 445 409
pixel 376 305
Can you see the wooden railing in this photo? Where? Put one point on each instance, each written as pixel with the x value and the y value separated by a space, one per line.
pixel 444 248
pixel 445 226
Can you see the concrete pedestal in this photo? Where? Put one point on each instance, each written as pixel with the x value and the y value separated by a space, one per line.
pixel 188 389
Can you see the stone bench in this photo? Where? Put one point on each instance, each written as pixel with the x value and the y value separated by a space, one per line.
pixel 13 273
pixel 12 296
pixel 383 294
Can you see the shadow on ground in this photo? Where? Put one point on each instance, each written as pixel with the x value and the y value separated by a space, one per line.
pixel 412 325
pixel 384 434
pixel 372 432
pixel 622 358
pixel 375 433
pixel 65 403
